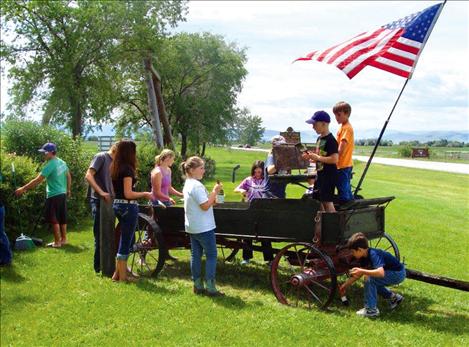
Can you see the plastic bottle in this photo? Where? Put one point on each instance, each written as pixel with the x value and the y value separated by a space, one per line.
pixel 221 195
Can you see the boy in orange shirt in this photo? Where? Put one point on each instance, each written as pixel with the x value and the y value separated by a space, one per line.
pixel 342 111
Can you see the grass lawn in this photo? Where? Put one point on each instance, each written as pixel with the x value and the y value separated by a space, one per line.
pixel 53 297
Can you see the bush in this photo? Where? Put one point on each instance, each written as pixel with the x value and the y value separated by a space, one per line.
pixel 25 137
pixel 22 213
pixel 405 151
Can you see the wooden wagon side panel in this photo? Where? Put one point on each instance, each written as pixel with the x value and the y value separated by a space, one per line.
pixel 337 227
pixel 284 219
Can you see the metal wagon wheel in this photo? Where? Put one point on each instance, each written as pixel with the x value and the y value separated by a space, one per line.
pixel 303 276
pixel 148 252
pixel 386 243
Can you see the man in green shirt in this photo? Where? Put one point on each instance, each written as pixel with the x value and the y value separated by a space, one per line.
pixel 59 182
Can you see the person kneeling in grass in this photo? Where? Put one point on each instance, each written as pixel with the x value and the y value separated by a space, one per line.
pixel 379 269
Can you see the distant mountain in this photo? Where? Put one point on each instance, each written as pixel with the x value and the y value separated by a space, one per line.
pixel 307 136
pixel 106 130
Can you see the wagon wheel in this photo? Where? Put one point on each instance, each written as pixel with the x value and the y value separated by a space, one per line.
pixel 147 253
pixel 231 253
pixel 386 243
pixel 303 276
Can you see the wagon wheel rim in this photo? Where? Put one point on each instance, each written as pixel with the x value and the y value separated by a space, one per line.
pixel 147 255
pixel 386 243
pixel 302 276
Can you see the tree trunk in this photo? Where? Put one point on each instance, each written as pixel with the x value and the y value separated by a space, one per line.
pixel 152 104
pixel 183 146
pixel 202 154
pixel 167 134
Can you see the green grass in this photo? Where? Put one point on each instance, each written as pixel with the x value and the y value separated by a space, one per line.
pixel 53 297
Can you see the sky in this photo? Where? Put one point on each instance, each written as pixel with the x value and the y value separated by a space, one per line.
pixel 285 94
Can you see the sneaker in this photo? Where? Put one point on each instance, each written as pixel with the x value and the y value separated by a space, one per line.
pixel 245 262
pixel 395 300
pixel 368 312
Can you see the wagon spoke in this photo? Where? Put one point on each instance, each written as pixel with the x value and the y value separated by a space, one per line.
pixel 133 262
pixel 313 295
pixel 320 285
pixel 299 260
pixel 377 243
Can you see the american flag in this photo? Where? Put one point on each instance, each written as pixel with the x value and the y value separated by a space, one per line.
pixel 394 47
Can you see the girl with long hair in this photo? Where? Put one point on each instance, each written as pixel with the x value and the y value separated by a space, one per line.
pixel 125 205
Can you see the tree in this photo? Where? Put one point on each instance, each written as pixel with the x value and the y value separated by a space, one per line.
pixel 248 128
pixel 201 78
pixel 70 55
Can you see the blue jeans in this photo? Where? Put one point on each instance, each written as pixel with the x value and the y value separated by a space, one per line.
pixel 199 243
pixel 127 214
pixel 5 250
pixel 344 189
pixel 377 285
pixel 95 212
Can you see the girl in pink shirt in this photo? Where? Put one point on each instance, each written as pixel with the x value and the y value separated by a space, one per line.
pixel 161 187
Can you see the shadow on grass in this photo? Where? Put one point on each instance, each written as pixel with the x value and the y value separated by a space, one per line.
pixel 149 285
pixel 253 277
pixel 8 273
pixel 68 248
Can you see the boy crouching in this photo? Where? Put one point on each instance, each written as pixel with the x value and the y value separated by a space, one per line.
pixel 379 269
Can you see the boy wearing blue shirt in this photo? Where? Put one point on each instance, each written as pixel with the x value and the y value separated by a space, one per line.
pixel 380 269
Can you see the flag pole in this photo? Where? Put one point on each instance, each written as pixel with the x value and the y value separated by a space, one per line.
pixel 357 189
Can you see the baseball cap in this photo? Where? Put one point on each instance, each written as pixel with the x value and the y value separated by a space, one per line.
pixel 278 140
pixel 319 116
pixel 48 147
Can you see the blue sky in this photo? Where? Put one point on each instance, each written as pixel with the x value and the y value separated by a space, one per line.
pixel 285 94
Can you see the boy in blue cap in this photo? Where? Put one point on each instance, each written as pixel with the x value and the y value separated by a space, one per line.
pixel 59 182
pixel 325 157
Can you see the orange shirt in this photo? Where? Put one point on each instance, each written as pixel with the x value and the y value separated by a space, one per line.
pixel 345 133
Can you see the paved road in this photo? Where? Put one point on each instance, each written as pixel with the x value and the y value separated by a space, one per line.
pixel 419 164
pixel 416 164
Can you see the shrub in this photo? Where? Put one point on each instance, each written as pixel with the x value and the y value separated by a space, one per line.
pixel 405 151
pixel 25 137
pixel 210 167
pixel 22 213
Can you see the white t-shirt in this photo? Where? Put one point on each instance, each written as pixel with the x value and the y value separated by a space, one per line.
pixel 196 220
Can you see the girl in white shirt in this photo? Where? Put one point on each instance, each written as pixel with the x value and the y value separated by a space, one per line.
pixel 200 225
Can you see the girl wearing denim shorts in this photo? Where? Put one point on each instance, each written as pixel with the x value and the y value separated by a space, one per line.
pixel 125 205
pixel 200 225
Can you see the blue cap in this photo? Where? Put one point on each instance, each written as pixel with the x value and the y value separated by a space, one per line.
pixel 48 147
pixel 319 116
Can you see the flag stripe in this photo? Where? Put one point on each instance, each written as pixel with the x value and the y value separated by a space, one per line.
pixel 397 58
pixel 390 69
pixel 406 48
pixel 367 53
pixel 361 42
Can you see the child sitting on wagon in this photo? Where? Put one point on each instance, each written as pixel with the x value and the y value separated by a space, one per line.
pixel 254 187
pixel 379 269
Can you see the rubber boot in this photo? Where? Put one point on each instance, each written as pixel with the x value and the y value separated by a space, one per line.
pixel 212 289
pixel 199 286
